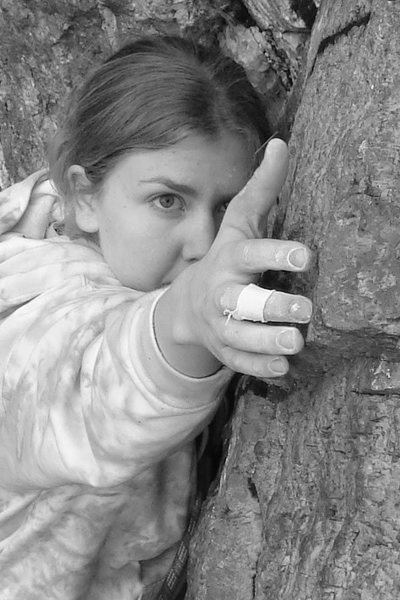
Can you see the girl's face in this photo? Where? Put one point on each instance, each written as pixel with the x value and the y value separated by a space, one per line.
pixel 159 210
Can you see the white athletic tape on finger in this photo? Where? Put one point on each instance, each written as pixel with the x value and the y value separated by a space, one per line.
pixel 250 304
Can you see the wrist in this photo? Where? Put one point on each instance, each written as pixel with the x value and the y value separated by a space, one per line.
pixel 176 336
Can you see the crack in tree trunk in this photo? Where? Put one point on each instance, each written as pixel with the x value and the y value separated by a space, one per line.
pixel 331 39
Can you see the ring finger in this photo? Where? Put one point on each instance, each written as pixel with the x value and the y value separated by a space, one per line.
pixel 261 338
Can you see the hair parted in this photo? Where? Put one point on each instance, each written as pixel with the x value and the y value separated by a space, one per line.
pixel 151 94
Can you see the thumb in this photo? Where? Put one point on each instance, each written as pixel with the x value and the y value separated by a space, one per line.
pixel 247 212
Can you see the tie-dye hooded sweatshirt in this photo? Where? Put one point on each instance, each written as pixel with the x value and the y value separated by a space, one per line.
pixel 96 429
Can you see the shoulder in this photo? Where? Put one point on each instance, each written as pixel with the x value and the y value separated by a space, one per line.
pixel 30 267
pixel 42 252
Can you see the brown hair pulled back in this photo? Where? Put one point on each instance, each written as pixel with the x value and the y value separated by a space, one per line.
pixel 149 95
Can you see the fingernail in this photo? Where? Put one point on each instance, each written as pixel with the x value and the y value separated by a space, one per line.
pixel 298 258
pixel 301 310
pixel 278 366
pixel 286 339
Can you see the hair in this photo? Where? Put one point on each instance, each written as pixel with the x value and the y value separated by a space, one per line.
pixel 151 94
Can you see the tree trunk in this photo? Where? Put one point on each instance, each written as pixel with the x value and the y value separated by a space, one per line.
pixel 307 504
pixel 48 46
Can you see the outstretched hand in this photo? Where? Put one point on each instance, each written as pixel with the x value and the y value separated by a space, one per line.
pixel 209 290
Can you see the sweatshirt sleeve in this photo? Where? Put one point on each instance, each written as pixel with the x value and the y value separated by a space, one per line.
pixel 26 212
pixel 86 396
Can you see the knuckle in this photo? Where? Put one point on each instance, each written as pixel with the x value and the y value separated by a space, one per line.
pixel 263 340
pixel 230 358
pixel 258 367
pixel 224 298
pixel 230 335
pixel 224 336
pixel 245 254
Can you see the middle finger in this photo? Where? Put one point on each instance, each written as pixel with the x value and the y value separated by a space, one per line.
pixel 279 306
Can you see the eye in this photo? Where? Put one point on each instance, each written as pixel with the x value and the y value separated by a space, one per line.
pixel 168 202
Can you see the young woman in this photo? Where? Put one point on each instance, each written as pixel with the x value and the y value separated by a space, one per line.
pixel 127 301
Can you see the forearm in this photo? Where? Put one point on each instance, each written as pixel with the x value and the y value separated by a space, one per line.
pixel 127 407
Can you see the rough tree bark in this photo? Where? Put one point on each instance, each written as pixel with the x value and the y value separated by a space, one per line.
pixel 307 504
pixel 307 507
pixel 47 46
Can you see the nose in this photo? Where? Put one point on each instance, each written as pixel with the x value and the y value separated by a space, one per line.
pixel 198 236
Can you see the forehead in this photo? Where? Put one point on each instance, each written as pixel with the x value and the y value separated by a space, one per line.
pixel 220 164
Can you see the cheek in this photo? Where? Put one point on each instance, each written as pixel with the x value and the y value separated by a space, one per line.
pixel 116 232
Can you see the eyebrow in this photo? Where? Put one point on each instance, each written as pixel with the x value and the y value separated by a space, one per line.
pixel 173 185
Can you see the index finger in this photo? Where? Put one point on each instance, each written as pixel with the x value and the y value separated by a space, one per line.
pixel 247 211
